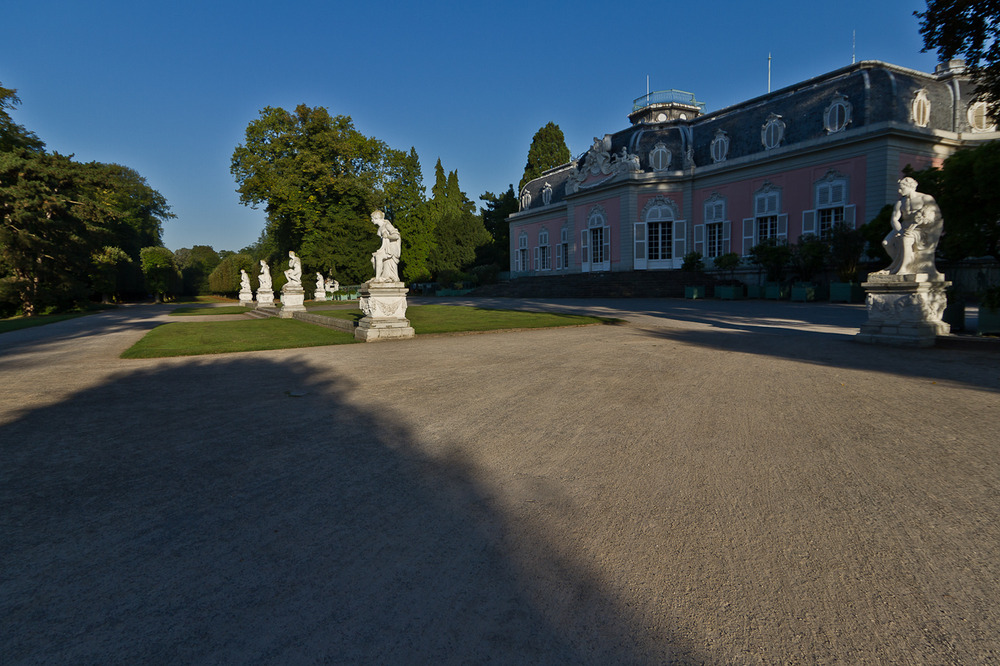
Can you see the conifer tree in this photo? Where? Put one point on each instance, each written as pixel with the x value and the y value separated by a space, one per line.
pixel 548 149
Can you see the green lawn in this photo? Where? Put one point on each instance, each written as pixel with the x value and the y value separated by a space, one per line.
pixel 193 338
pixel 427 319
pixel 199 310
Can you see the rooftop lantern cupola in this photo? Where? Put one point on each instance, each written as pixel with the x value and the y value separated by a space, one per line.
pixel 665 106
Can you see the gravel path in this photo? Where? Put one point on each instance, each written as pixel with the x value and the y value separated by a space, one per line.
pixel 708 484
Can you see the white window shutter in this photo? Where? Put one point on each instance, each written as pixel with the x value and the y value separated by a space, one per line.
pixel 783 226
pixel 748 235
pixel 699 239
pixel 727 231
pixel 823 195
pixel 607 247
pixel 837 191
pixel 849 216
pixel 536 257
pixel 680 241
pixel 640 246
pixel 559 257
pixel 584 250
pixel 808 222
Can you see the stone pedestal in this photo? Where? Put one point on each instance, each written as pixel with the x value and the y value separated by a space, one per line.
pixel 292 300
pixel 246 298
pixel 265 299
pixel 319 295
pixel 904 310
pixel 384 305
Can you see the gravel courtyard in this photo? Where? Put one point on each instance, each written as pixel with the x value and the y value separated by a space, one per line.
pixel 705 484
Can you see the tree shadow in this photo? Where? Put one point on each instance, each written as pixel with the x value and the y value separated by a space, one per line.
pixel 241 510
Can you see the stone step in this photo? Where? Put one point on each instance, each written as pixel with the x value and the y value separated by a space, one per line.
pixel 262 313
pixel 346 325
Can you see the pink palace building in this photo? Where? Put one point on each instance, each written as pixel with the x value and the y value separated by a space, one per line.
pixel 795 161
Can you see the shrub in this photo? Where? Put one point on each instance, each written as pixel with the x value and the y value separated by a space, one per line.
pixel 693 262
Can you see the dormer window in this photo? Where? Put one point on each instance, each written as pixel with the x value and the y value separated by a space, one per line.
pixel 720 147
pixel 979 118
pixel 920 109
pixel 838 115
pixel 773 132
pixel 659 157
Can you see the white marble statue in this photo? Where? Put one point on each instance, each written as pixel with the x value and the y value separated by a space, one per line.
pixel 265 276
pixel 294 272
pixel 385 260
pixel 245 281
pixel 916 227
pixel 332 285
pixel 320 283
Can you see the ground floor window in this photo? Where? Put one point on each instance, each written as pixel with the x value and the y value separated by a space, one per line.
pixel 660 239
pixel 767 228
pixel 597 245
pixel 828 219
pixel 714 241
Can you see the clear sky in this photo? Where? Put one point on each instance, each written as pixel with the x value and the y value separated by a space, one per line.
pixel 168 88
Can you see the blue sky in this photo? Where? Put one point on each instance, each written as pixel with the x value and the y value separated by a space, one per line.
pixel 168 88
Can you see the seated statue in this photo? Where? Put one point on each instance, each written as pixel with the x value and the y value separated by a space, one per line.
pixel 385 260
pixel 294 272
pixel 916 228
pixel 244 281
pixel 320 283
pixel 265 276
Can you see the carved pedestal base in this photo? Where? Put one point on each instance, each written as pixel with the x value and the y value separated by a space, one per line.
pixel 384 305
pixel 904 310
pixel 292 299
pixel 319 295
pixel 265 299
pixel 246 298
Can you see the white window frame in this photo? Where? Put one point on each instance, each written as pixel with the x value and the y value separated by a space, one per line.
pixel 521 254
pixel 718 230
pixel 830 197
pixel 767 205
pixel 596 257
pixel 543 253
pixel 660 210
pixel 562 250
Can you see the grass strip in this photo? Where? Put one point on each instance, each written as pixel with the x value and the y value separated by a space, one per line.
pixel 222 337
pixel 17 323
pixel 426 319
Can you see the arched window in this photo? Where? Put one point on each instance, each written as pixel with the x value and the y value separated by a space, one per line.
pixel 773 132
pixel 659 157
pixel 920 109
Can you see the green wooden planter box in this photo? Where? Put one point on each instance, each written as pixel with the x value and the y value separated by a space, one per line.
pixel 803 292
pixel 989 321
pixel 846 292
pixel 729 292
pixel 697 291
pixel 755 291
pixel 776 292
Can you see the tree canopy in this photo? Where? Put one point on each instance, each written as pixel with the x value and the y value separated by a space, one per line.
pixel 548 149
pixel 12 135
pixel 969 28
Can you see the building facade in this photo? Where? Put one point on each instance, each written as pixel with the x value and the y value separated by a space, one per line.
pixel 793 162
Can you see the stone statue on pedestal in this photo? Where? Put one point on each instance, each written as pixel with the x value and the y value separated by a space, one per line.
pixel 319 294
pixel 906 301
pixel 246 291
pixel 916 228
pixel 385 260
pixel 265 294
pixel 293 296
pixel 383 298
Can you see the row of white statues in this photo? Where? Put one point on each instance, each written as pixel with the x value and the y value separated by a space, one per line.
pixel 385 262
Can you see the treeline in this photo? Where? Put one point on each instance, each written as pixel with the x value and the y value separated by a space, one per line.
pixel 319 179
pixel 69 231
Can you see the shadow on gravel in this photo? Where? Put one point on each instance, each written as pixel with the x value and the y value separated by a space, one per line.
pixel 125 318
pixel 243 511
pixel 976 369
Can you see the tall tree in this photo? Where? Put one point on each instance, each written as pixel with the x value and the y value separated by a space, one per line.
pixel 458 231
pixel 12 135
pixel 495 214
pixel 405 205
pixel 548 149
pixel 319 179
pixel 51 222
pixel 160 269
pixel 970 28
